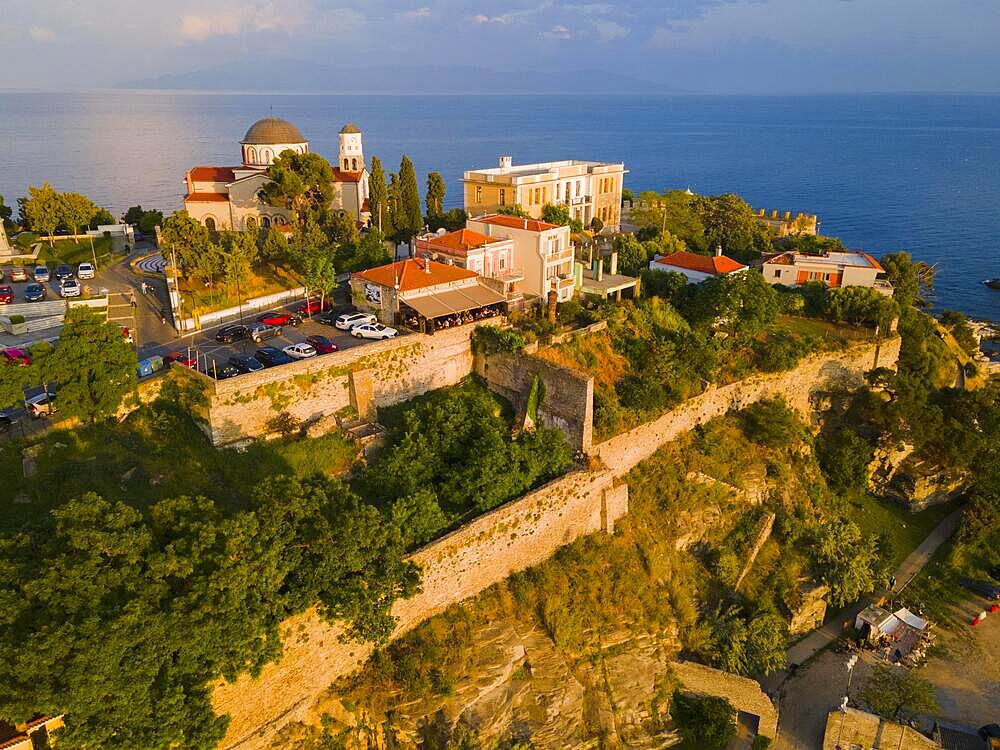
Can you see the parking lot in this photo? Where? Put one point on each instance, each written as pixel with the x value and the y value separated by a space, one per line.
pixel 51 286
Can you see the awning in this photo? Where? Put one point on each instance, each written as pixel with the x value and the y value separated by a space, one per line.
pixel 454 301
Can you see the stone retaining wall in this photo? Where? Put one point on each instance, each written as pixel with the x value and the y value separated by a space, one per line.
pixel 513 537
pixel 745 694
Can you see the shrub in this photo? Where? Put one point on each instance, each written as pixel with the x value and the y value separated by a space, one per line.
pixel 16 319
pixel 844 458
pixel 493 340
pixel 703 722
pixel 771 422
pixel 283 424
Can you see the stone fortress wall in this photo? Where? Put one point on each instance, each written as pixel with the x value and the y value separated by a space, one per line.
pixel 519 534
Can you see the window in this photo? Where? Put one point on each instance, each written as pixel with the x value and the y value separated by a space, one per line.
pixel 577 188
pixel 345 163
pixel 479 194
pixel 558 190
pixel 503 197
pixel 251 155
pixel 209 223
pixel 265 222
pixel 777 273
pixel 503 262
pixel 354 164
pixel 251 223
pixel 266 156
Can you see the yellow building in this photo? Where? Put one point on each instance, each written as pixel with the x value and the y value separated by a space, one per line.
pixel 589 188
pixel 787 225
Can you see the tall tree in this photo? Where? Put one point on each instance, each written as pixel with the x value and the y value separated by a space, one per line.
pixel 898 694
pixel 312 255
pixel 43 209
pixel 6 212
pixel 299 183
pixel 377 202
pixel 412 218
pixel 274 246
pixel 731 223
pixel 911 281
pixel 101 217
pixel 192 245
pixel 395 219
pixel 75 211
pixel 94 365
pixel 239 253
pixel 343 228
pixel 435 194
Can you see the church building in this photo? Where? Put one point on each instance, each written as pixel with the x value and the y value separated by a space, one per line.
pixel 231 197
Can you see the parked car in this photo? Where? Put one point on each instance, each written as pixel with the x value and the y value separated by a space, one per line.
pixel 181 358
pixel 245 363
pixel 42 405
pixel 313 306
pixel 989 590
pixel 85 271
pixel 7 420
pixel 15 356
pixel 34 292
pixel 6 295
pixel 280 318
pixel 347 321
pixel 63 271
pixel 321 344
pixel 41 274
pixel 229 334
pixel 299 351
pixel 70 288
pixel 271 356
pixel 222 371
pixel 18 274
pixel 373 331
pixel 263 331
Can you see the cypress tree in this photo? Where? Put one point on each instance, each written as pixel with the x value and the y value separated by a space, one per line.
pixel 435 194
pixel 411 218
pixel 394 221
pixel 377 196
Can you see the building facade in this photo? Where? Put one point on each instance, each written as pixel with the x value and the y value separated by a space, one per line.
pixel 835 269
pixel 588 188
pixel 231 197
pixel 543 253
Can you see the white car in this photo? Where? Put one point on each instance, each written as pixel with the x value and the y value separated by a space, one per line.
pixel 85 271
pixel 300 351
pixel 42 405
pixel 373 331
pixel 347 321
pixel 69 288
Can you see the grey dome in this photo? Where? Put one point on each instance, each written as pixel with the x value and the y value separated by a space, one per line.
pixel 272 130
pixel 350 128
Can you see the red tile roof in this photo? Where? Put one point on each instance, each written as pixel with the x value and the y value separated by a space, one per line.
pixel 714 265
pixel 875 264
pixel 206 198
pixel 411 274
pixel 459 242
pixel 339 175
pixel 514 222
pixel 212 174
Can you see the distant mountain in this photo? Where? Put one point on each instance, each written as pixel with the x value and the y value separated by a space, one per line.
pixel 298 76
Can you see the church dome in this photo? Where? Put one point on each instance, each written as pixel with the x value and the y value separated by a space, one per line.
pixel 272 130
pixel 350 128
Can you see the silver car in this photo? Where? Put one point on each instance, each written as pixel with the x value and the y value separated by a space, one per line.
pixel 347 321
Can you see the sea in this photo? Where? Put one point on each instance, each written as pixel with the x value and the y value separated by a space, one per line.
pixel 882 172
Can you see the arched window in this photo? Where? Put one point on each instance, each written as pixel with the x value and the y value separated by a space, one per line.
pixel 345 163
pixel 209 223
pixel 280 221
pixel 265 156
pixel 251 222
pixel 251 155
pixel 354 165
pixel 265 222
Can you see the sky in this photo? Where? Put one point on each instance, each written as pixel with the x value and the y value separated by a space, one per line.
pixel 698 46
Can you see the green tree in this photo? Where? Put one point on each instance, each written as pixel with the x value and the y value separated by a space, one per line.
pixel 676 212
pixel 41 372
pixel 912 282
pixel 899 694
pixel 274 246
pixel 42 209
pixel 514 210
pixel 411 218
pixel 452 219
pixel 370 252
pixel 844 457
pixel 6 212
pixel 75 211
pixel 342 228
pixel 845 560
pixel 860 306
pixel 958 324
pixel 299 183
pixel 596 225
pixel 192 245
pixel 102 217
pixel 312 255
pixel 767 643
pixel 133 215
pixel 556 214
pixel 94 365
pixel 239 253
pixel 633 256
pixel 395 218
pixel 12 383
pixel 771 422
pixel 149 221
pixel 704 722
pixel 741 303
pixel 435 194
pixel 732 224
pixel 377 200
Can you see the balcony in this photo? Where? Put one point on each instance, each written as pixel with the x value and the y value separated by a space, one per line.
pixel 883 287
pixel 580 200
pixel 560 256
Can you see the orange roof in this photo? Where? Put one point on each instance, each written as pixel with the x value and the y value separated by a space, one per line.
pixel 875 264
pixel 714 265
pixel 339 175
pixel 460 241
pixel 410 274
pixel 212 174
pixel 515 222
pixel 206 198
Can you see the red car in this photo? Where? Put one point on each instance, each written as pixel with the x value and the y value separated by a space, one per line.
pixel 16 357
pixel 279 318
pixel 321 344
pixel 6 295
pixel 181 358
pixel 313 306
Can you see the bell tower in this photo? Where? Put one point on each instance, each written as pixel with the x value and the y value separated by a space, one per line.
pixel 352 155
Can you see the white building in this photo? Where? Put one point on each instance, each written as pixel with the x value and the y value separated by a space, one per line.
pixel 697 268
pixel 835 269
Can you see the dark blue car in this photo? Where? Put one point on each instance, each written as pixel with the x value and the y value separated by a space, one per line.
pixel 245 363
pixel 34 293
pixel 270 356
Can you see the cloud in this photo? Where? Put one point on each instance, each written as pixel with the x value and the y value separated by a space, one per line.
pixel 609 31
pixel 558 32
pixel 287 18
pixel 422 12
pixel 501 20
pixel 41 34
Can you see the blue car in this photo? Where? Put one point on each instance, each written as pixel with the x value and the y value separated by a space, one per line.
pixel 245 363
pixel 270 356
pixel 34 293
pixel 41 274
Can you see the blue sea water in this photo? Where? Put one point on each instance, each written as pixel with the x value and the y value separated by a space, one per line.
pixel 883 172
